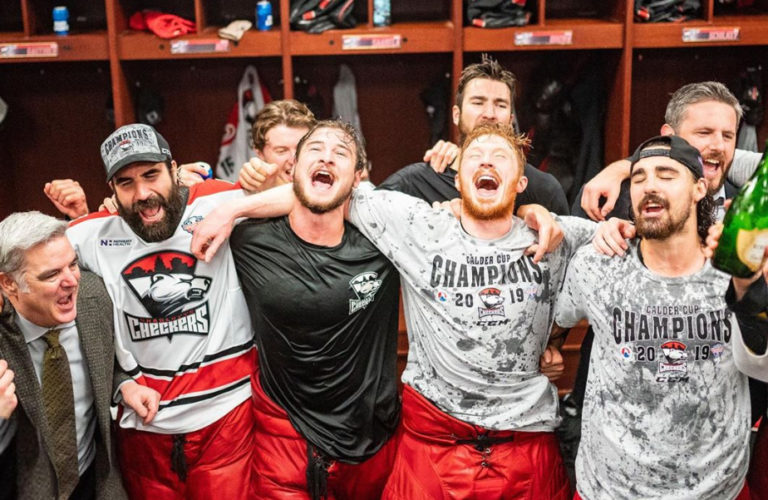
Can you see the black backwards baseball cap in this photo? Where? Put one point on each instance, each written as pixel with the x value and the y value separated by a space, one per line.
pixel 677 148
pixel 131 144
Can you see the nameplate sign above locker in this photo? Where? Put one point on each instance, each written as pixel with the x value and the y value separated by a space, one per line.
pixel 28 50
pixel 201 46
pixel 370 42
pixel 561 37
pixel 697 35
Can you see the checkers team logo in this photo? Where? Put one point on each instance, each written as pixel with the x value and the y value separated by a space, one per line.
pixel 626 353
pixel 492 300
pixel 364 286
pixel 674 366
pixel 171 292
pixel 189 224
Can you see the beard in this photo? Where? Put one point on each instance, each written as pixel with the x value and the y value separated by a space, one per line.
pixel 321 208
pixel 501 209
pixel 173 207
pixel 659 228
pixel 712 187
pixel 465 129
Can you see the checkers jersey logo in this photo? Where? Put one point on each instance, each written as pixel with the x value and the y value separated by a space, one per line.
pixel 170 291
pixel 492 300
pixel 364 286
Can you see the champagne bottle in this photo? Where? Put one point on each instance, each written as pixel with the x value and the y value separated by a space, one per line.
pixel 745 227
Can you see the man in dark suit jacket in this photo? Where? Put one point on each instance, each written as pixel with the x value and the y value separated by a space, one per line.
pixel 45 292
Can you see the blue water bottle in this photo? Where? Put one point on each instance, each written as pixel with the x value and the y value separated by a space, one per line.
pixel 61 20
pixel 263 15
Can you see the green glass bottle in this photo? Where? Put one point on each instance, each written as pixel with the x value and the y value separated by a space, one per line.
pixel 745 227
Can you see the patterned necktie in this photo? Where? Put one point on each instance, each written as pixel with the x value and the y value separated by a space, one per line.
pixel 59 402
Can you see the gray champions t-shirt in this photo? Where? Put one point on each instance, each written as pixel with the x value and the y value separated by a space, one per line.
pixel 478 312
pixel 666 413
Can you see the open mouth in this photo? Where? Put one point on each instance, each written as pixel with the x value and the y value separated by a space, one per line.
pixel 712 165
pixel 486 185
pixel 151 215
pixel 652 208
pixel 322 179
pixel 67 302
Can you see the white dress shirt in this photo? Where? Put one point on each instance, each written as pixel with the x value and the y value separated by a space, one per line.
pixel 85 417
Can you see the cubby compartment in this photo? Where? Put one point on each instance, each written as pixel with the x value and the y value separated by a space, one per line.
pixel 392 114
pixel 193 116
pixel 10 17
pixel 650 93
pixel 57 117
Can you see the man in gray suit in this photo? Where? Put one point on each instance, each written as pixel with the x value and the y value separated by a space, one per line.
pixel 56 334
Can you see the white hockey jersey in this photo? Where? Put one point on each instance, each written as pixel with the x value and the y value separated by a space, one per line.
pixel 181 325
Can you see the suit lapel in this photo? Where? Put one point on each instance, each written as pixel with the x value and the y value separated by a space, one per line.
pixel 13 348
pixel 91 343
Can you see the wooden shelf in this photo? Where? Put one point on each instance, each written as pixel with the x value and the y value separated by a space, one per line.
pixel 585 34
pixel 417 37
pixel 134 45
pixel 91 46
pixel 753 30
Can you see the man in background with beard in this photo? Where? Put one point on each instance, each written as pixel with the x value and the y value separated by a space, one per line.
pixel 181 326
pixel 485 95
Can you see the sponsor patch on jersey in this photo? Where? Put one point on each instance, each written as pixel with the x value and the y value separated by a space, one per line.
pixel 364 286
pixel 626 353
pixel 189 224
pixel 442 296
pixel 115 242
pixel 174 296
pixel 492 299
pixel 717 351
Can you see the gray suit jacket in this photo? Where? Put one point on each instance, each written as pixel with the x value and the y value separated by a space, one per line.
pixel 36 477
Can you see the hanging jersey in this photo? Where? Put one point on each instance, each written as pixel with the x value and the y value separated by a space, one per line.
pixel 666 413
pixel 182 326
pixel 478 311
pixel 326 325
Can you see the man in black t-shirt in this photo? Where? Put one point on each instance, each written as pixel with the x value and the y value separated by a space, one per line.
pixel 323 304
pixel 484 95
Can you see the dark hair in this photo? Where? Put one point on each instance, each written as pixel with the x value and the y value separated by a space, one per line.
pixel 489 69
pixel 705 216
pixel 351 133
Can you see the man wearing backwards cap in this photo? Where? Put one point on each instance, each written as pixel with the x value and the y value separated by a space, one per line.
pixel 181 325
pixel 666 412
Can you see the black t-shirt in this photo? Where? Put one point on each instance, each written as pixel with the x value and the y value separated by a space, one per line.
pixel 421 181
pixel 326 321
